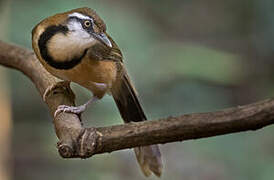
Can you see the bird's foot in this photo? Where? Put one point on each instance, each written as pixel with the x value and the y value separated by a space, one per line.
pixel 75 109
pixel 70 109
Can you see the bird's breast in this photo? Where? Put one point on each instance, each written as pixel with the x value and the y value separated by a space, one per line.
pixel 89 73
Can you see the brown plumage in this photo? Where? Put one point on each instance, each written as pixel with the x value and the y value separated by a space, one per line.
pixel 74 46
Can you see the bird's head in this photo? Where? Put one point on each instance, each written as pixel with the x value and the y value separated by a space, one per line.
pixel 66 36
pixel 86 25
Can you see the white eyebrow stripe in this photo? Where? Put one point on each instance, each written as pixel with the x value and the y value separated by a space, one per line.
pixel 79 15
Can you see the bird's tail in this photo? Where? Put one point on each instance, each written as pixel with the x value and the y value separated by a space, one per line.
pixel 148 157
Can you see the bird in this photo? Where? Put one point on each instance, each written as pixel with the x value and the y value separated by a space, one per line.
pixel 75 47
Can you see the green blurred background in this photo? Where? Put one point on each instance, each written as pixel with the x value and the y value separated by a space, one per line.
pixel 184 57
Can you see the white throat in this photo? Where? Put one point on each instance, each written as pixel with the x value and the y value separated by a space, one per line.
pixel 65 47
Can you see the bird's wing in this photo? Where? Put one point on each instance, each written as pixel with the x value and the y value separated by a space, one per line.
pixel 104 53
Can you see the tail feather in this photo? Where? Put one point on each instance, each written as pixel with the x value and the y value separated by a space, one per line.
pixel 148 157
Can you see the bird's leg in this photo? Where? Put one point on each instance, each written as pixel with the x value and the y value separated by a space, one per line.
pixel 80 109
pixel 75 109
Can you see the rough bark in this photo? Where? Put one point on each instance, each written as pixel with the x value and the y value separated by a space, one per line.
pixel 78 141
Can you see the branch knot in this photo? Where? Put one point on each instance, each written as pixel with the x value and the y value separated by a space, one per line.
pixel 65 150
pixel 87 142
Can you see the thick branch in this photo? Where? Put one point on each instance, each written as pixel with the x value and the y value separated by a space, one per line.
pixel 77 141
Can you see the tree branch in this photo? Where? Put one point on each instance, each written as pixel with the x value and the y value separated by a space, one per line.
pixel 77 141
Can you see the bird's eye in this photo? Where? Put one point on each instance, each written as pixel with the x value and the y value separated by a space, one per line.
pixel 87 23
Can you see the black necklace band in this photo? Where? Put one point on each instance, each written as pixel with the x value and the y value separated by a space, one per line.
pixel 42 43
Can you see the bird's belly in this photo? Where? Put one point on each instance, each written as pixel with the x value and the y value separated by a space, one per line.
pixel 97 76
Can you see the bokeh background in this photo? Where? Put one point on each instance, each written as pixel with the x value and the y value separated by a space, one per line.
pixel 183 56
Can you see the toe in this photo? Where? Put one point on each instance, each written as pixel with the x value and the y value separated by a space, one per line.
pixel 57 112
pixel 69 109
pixel 60 108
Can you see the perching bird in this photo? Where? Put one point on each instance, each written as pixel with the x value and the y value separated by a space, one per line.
pixel 75 47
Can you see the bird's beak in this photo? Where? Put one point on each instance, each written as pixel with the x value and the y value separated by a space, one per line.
pixel 103 39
